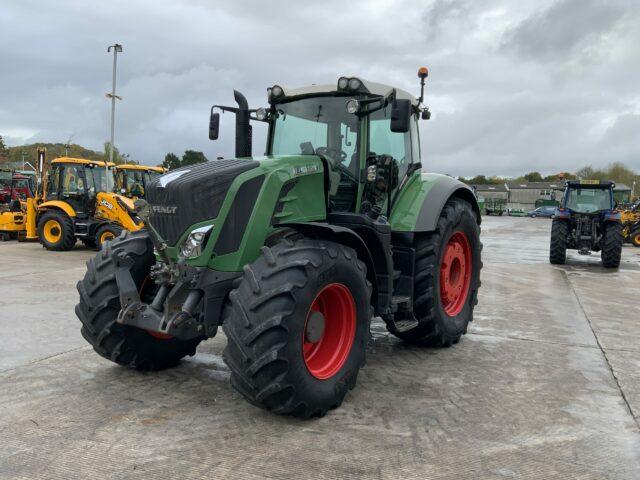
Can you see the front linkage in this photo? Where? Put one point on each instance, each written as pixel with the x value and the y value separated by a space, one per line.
pixel 178 289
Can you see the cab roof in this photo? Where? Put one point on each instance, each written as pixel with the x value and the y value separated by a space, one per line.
pixel 133 166
pixel 81 161
pixel 372 88
pixel 590 184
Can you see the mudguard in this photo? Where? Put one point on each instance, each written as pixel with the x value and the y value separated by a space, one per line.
pixel 57 204
pixel 419 203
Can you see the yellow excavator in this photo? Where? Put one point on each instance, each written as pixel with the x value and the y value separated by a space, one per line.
pixel 77 203
pixel 132 180
pixel 630 218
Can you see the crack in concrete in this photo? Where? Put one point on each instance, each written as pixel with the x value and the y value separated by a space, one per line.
pixel 34 362
pixel 602 349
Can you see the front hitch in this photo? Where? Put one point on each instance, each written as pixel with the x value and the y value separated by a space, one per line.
pixel 172 311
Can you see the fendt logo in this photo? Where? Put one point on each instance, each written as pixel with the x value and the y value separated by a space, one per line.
pixel 170 209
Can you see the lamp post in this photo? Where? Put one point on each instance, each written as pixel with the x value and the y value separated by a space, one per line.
pixel 117 48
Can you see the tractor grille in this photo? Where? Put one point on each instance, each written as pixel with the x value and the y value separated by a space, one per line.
pixel 191 194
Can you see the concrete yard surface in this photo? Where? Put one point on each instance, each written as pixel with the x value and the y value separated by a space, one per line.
pixel 545 385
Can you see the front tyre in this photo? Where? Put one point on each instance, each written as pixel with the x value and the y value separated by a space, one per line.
pixel 297 327
pixel 106 232
pixel 447 278
pixel 612 241
pixel 100 304
pixel 635 237
pixel 558 243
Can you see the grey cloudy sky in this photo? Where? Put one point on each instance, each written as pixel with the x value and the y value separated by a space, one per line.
pixel 514 86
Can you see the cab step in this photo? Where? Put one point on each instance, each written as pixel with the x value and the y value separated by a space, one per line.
pixel 405 325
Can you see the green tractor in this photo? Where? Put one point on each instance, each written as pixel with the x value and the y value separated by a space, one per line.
pixel 293 253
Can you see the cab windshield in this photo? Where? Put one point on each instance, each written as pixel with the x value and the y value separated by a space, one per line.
pixel 588 200
pixel 317 126
pixel 97 179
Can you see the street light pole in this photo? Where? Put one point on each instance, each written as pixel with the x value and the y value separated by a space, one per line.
pixel 117 48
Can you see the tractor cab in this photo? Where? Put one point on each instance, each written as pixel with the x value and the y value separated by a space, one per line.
pixel 77 182
pixel 15 186
pixel 588 196
pixel 365 133
pixel 132 180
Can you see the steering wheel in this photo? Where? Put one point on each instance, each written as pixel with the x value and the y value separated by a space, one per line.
pixel 332 153
pixel 336 157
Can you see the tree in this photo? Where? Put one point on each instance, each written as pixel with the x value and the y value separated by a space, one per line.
pixel 533 177
pixel 477 180
pixel 585 172
pixel 171 161
pixel 4 153
pixel 191 157
pixel 560 176
pixel 118 158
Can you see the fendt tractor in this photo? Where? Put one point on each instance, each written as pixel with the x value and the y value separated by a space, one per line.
pixel 294 252
pixel 586 221
pixel 133 180
pixel 78 203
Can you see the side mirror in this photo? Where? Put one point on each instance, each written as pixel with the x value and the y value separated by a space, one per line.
pixel 214 126
pixel 400 116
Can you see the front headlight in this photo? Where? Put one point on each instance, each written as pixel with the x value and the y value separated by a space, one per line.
pixel 192 246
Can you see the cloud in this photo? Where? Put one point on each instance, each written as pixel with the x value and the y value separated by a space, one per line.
pixel 514 86
pixel 566 27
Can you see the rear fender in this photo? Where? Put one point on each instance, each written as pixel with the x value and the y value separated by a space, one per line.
pixel 58 205
pixel 419 204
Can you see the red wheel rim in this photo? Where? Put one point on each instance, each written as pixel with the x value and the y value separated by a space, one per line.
pixel 326 356
pixel 455 274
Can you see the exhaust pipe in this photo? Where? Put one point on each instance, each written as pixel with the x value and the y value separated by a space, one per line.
pixel 243 127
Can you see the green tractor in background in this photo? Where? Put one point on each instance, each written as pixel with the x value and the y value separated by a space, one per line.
pixel 293 253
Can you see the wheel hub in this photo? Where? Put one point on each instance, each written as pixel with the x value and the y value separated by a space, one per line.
pixel 315 327
pixel 455 274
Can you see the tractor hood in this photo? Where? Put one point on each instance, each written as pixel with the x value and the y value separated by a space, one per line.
pixel 192 194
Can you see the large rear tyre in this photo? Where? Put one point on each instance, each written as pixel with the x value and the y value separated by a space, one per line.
pixel 612 241
pixel 100 304
pixel 297 327
pixel 447 278
pixel 558 246
pixel 56 231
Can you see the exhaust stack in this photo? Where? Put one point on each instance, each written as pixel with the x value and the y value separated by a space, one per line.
pixel 243 127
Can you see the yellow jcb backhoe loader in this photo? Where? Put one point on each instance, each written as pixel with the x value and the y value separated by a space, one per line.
pixel 76 201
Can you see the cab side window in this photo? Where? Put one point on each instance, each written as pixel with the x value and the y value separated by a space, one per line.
pixel 383 141
pixel 53 180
